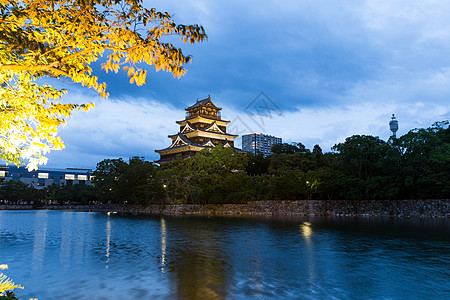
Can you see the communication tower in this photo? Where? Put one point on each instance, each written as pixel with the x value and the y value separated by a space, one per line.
pixel 393 126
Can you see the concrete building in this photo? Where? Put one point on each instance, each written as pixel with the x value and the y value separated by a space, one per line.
pixel 44 177
pixel 259 143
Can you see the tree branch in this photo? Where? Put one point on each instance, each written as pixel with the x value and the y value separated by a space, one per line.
pixel 28 68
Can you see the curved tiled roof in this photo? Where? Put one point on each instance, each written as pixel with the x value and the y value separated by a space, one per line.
pixel 202 116
pixel 190 125
pixel 208 143
pixel 214 124
pixel 204 102
pixel 184 139
pixel 202 130
pixel 189 142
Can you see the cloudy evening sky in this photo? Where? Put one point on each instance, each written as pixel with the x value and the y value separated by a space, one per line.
pixel 324 69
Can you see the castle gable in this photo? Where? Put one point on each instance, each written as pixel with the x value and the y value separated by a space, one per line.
pixel 179 141
pixel 214 128
pixel 208 143
pixel 188 128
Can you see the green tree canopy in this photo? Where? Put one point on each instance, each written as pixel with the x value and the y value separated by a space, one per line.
pixel 423 161
pixel 289 148
pixel 136 181
pixel 61 39
pixel 214 175
pixel 359 158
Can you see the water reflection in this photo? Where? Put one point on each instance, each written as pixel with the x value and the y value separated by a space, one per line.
pixel 66 238
pixel 39 243
pixel 108 240
pixel 163 244
pixel 129 257
pixel 307 232
pixel 197 262
pixel 79 238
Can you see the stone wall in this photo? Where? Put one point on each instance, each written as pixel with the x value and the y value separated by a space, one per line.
pixel 392 208
pixel 374 208
pixel 48 207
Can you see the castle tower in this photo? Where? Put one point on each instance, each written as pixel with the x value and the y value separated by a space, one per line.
pixel 202 128
pixel 393 126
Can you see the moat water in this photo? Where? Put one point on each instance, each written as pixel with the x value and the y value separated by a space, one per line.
pixel 78 255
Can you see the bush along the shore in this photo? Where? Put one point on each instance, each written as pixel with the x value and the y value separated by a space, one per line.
pixel 414 166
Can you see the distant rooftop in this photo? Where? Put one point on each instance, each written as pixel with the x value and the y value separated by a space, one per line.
pixel 259 133
pixel 43 169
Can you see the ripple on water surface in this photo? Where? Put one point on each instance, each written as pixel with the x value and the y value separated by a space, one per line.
pixel 74 255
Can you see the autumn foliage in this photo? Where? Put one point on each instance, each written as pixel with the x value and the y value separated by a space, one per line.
pixel 61 39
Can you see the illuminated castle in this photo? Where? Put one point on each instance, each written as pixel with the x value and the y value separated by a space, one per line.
pixel 202 128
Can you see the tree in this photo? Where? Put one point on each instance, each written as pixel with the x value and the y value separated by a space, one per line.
pixel 214 175
pixel 359 158
pixel 61 39
pixel 15 191
pixel 140 183
pixel 106 179
pixel 289 148
pixel 280 163
pixel 135 182
pixel 290 184
pixel 424 161
pixel 257 164
pixel 7 286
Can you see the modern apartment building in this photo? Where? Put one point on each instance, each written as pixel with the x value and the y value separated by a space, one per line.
pixel 259 143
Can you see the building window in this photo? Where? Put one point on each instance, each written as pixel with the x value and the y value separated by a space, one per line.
pixel 2 174
pixel 69 177
pixel 82 177
pixel 43 175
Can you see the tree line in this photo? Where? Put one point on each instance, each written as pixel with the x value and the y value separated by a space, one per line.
pixel 415 165
pixel 17 192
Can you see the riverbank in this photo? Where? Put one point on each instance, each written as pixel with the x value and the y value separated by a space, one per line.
pixel 372 208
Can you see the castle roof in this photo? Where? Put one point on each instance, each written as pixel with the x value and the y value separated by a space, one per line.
pixel 192 118
pixel 179 141
pixel 205 102
pixel 182 141
pixel 206 130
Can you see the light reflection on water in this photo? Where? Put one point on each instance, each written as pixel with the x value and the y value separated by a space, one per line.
pixel 108 240
pixel 307 232
pixel 72 255
pixel 40 232
pixel 163 244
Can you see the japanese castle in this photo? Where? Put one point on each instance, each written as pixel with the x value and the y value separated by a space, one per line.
pixel 202 128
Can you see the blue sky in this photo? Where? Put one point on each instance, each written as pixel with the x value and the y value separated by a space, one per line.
pixel 329 69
